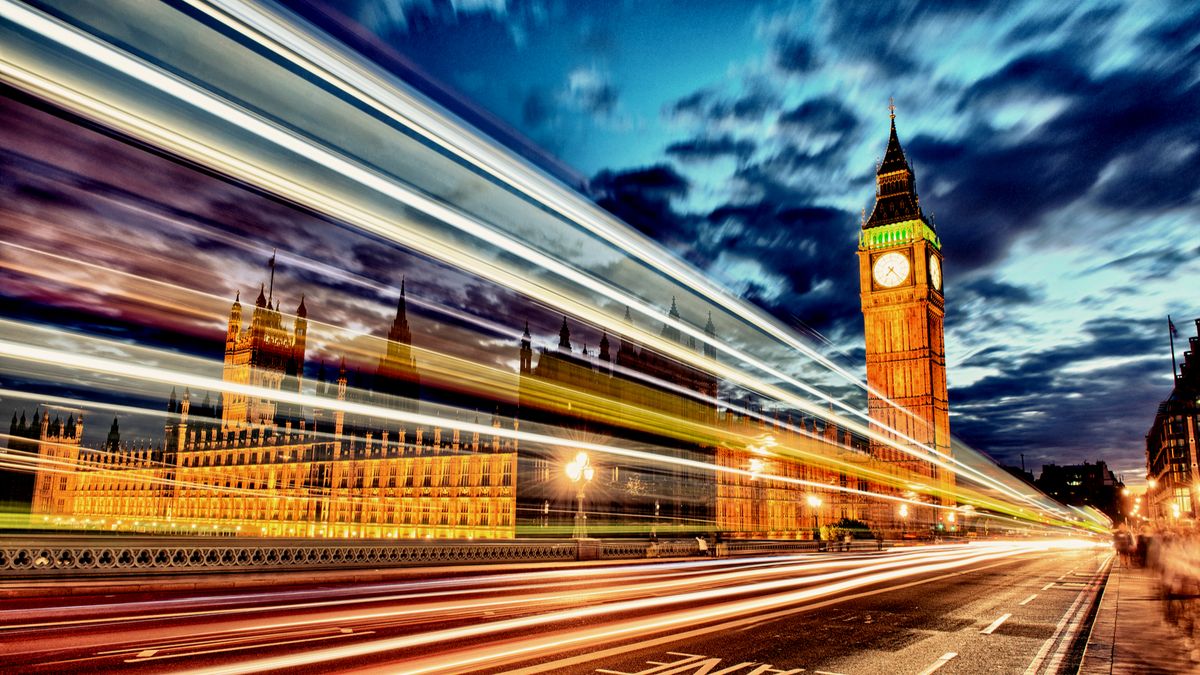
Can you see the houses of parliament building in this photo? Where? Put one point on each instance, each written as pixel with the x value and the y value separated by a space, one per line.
pixel 261 466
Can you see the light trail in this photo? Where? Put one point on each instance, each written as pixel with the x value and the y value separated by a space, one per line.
pixel 623 587
pixel 349 74
pixel 138 370
pixel 645 624
pixel 376 182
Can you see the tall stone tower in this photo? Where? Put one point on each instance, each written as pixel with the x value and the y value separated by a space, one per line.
pixel 900 276
pixel 262 354
pixel 397 381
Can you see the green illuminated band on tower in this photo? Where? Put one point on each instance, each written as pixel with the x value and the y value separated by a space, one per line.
pixel 897 233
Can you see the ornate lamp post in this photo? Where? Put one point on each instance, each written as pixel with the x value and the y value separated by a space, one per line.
pixel 814 502
pixel 580 471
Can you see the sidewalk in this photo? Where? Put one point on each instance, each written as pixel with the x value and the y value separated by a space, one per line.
pixel 1137 630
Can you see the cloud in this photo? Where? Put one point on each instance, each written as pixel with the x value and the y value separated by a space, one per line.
pixel 591 90
pixel 794 54
pixel 707 149
pixel 999 186
pixel 537 109
pixel 819 128
pixel 643 198
pixel 1068 402
pixel 387 15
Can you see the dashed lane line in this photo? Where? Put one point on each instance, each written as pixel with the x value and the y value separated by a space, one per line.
pixel 563 663
pixel 995 624
pixel 1028 600
pixel 946 658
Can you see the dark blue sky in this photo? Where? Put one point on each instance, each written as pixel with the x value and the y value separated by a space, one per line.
pixel 1054 143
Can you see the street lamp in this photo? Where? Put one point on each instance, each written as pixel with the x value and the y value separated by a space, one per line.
pixel 580 471
pixel 904 517
pixel 815 502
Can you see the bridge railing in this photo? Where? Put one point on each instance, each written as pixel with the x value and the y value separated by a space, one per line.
pixel 100 556
pixel 46 556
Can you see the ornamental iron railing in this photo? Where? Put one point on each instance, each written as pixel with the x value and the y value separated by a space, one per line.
pixel 49 556
pixel 46 556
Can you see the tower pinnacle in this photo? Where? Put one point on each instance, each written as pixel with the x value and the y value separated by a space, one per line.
pixel 895 185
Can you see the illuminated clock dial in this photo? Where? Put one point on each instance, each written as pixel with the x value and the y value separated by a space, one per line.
pixel 891 269
pixel 935 273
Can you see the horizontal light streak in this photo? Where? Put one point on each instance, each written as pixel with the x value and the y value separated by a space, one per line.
pixel 348 73
pixel 225 110
pixel 140 371
pixel 823 585
pixel 494 597
pixel 127 367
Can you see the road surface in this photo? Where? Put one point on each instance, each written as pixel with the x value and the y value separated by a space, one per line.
pixel 1002 607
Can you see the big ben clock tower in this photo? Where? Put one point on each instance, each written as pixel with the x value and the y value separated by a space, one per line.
pixel 900 274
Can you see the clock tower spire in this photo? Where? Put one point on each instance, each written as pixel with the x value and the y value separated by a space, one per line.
pixel 900 277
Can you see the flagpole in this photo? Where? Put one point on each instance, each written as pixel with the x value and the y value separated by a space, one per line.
pixel 1171 332
pixel 271 294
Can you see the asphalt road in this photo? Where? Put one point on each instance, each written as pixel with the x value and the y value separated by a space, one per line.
pixel 978 608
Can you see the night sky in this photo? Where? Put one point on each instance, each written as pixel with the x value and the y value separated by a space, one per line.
pixel 1055 145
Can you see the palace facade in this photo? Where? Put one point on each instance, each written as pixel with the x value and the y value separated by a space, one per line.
pixel 255 466
pixel 261 464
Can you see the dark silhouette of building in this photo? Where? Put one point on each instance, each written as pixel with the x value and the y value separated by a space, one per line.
pixel 1021 473
pixel 1084 484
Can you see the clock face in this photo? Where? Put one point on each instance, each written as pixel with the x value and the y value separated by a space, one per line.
pixel 891 269
pixel 935 273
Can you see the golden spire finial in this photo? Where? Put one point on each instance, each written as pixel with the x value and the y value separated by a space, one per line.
pixel 892 107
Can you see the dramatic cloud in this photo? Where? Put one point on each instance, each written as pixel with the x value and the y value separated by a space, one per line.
pixel 704 149
pixel 591 90
pixel 794 55
pixel 1053 145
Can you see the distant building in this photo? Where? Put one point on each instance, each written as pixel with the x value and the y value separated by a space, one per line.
pixel 265 467
pixel 638 397
pixel 1171 445
pixel 258 463
pixel 262 465
pixel 1021 473
pixel 1084 484
pixel 50 447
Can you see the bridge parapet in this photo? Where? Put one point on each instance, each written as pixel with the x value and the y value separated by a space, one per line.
pixel 51 556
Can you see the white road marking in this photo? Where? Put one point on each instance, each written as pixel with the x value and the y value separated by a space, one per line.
pixel 138 658
pixel 1048 586
pixel 946 658
pixel 1039 659
pixel 561 664
pixel 1028 600
pixel 995 624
